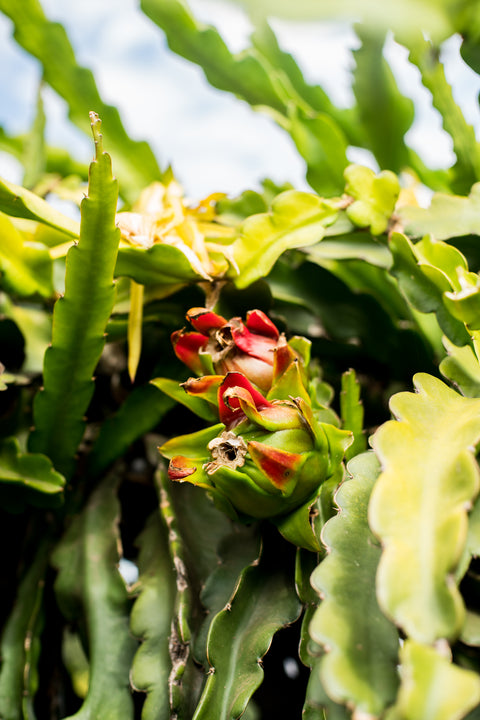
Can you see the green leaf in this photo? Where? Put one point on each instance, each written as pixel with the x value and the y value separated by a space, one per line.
pixel 234 210
pixel 305 564
pixel 425 56
pixel 317 703
pixel 90 590
pixel 352 246
pixel 139 414
pixel 79 321
pixel 26 475
pixel 237 550
pixel 34 154
pixel 20 635
pixel 447 216
pixel 263 602
pixel 471 630
pixel 311 99
pixel 432 687
pixel 36 328
pixel 462 368
pixel 193 445
pixel 266 78
pixel 4 377
pixel 12 144
pixel 374 197
pixel 423 284
pixel 202 527
pixel 359 667
pixel 351 412
pixel 174 390
pixel 151 619
pixel 300 527
pixel 48 42
pixel 135 326
pixel 472 545
pixel 160 265
pixel 469 49
pixel 244 73
pixel 25 267
pixel 418 506
pixel 344 316
pixel 19 202
pixel 76 662
pixel 322 144
pixel 465 305
pixel 433 15
pixel 473 537
pixel 296 219
pixel 444 258
pixel 386 114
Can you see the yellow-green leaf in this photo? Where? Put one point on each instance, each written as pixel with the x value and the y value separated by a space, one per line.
pixel 433 687
pixel 19 202
pixel 25 267
pixel 359 666
pixel 297 219
pixel 448 215
pixel 419 506
pixel 374 197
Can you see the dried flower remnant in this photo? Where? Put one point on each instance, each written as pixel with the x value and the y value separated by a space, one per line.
pixel 162 215
pixel 228 450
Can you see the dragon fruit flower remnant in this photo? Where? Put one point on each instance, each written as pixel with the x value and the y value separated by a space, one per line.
pixel 277 440
pixel 220 346
pixel 162 216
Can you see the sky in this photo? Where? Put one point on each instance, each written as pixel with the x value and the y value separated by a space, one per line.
pixel 214 141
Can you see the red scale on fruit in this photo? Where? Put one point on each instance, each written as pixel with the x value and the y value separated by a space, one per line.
pixel 278 465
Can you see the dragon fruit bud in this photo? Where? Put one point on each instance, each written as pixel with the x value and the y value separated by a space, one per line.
pixel 220 346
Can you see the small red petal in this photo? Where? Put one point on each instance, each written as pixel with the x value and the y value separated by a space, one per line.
pixel 257 371
pixel 261 324
pixel 205 386
pixel 187 345
pixel 283 357
pixel 232 411
pixel 180 467
pixel 279 466
pixel 252 344
pixel 205 320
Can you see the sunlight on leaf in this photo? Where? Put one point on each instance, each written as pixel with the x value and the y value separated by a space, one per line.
pixel 296 219
pixel 419 506
pixel 79 320
pixel 135 317
pixel 448 215
pixel 433 687
pixel 359 667
pixel 19 202
pixel 25 266
pixel 374 197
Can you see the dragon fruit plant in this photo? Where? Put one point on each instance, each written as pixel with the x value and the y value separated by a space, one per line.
pixel 265 563
pixel 276 441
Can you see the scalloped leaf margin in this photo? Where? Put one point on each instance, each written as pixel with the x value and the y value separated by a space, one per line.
pixel 359 667
pixel 419 506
